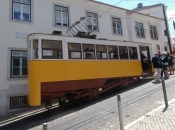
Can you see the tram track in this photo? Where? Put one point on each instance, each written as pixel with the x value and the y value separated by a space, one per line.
pixel 91 115
pixel 97 115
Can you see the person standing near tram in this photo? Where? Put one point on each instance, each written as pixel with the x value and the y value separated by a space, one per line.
pixel 157 65
pixel 164 60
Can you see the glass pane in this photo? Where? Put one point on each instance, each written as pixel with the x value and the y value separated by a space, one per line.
pixel 47 52
pixel 52 44
pixel 89 21
pixel 26 13
pixel 74 50
pixel 15 61
pixel 101 51
pixel 58 8
pixel 24 62
pixel 88 51
pixel 94 22
pixel 100 48
pixel 35 49
pixel 24 71
pixel 58 18
pixel 52 49
pixel 16 53
pixel 26 1
pixel 133 52
pixel 15 72
pixel 65 19
pixel 113 52
pixel 65 9
pixel 89 14
pixel 17 11
pixel 139 25
pixel 123 52
pixel 18 1
pixel 24 54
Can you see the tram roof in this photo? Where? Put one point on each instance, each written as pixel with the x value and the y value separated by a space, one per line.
pixel 51 35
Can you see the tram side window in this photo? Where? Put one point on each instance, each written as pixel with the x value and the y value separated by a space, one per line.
pixel 35 49
pixel 101 51
pixel 74 51
pixel 123 51
pixel 52 49
pixel 113 52
pixel 88 51
pixel 133 52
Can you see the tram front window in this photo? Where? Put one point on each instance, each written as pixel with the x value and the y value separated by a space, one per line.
pixel 35 49
pixel 51 49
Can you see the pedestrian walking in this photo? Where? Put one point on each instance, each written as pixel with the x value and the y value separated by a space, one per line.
pixel 157 65
pixel 170 63
pixel 165 65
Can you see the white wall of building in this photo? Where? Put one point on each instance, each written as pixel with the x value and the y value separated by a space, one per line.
pixel 157 12
pixel 42 14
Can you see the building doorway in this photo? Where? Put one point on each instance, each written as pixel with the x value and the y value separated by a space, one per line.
pixel 146 60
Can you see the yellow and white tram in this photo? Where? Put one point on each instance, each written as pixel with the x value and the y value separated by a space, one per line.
pixel 68 68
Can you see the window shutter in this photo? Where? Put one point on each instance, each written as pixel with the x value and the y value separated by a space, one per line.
pixel 137 31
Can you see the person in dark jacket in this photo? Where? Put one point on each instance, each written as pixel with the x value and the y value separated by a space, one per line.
pixel 157 65
pixel 170 63
pixel 165 64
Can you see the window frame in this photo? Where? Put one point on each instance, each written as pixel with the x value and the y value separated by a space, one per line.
pixel 93 51
pixel 140 32
pixel 11 63
pixel 68 20
pixel 129 53
pixel 75 51
pixel 152 31
pixel 87 11
pixel 112 17
pixel 21 5
pixel 51 49
pixel 98 52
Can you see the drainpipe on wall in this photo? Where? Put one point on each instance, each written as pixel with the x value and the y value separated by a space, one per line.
pixel 167 29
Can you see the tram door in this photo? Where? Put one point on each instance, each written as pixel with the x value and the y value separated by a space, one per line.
pixel 145 60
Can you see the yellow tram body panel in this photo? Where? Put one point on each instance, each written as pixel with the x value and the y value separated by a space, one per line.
pixel 65 70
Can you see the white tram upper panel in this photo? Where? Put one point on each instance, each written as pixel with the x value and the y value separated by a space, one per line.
pixel 58 47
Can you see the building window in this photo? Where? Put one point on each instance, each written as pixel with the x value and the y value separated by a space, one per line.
pixel 153 32
pixel 116 24
pixel 113 52
pixel 22 10
pixel 52 49
pixel 101 51
pixel 75 51
pixel 140 32
pixel 123 52
pixel 92 21
pixel 18 102
pixel 88 51
pixel 133 53
pixel 61 16
pixel 18 64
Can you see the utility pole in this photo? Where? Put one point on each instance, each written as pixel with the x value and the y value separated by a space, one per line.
pixel 167 29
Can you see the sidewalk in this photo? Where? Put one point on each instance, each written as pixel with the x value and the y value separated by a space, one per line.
pixel 158 119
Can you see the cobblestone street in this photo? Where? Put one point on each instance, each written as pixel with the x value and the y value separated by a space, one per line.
pixel 159 119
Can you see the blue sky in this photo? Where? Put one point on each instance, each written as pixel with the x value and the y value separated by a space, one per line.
pixel 130 4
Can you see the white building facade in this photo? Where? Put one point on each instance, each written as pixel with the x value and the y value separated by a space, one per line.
pixel 156 11
pixel 22 17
